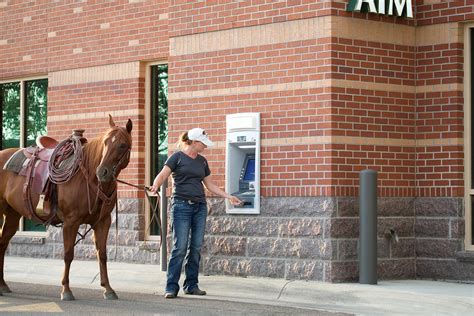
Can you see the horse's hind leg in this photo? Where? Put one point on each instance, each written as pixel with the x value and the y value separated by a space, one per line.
pixel 101 232
pixel 9 228
pixel 69 236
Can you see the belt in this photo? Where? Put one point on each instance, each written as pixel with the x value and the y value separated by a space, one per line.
pixel 190 202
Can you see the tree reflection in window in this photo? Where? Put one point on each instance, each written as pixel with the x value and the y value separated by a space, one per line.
pixel 36 109
pixel 159 124
pixel 10 105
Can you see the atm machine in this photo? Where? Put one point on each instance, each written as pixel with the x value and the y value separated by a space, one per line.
pixel 243 162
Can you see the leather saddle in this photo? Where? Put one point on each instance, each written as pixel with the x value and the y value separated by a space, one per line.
pixel 36 165
pixel 36 171
pixel 46 142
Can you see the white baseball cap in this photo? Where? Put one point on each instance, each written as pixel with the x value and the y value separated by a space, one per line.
pixel 200 135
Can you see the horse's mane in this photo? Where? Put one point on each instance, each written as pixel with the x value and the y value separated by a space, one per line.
pixel 93 154
pixel 93 149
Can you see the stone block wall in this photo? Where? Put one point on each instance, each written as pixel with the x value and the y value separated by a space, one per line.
pixel 287 240
pixel 439 229
pixel 396 260
pixel 307 238
pixel 123 244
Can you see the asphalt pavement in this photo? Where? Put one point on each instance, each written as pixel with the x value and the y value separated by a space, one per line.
pixel 27 298
pixel 403 297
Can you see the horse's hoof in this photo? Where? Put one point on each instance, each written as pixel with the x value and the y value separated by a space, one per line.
pixel 5 289
pixel 67 296
pixel 110 295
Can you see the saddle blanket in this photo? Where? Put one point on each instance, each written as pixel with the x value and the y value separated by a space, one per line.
pixel 16 162
pixel 19 163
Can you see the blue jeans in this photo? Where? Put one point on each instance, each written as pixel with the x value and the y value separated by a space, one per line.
pixel 186 217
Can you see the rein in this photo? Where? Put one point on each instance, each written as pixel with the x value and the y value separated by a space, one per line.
pixel 155 213
pixel 106 199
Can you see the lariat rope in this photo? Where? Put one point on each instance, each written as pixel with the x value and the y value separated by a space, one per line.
pixel 62 169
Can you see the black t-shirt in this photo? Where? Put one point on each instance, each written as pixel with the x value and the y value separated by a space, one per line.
pixel 188 174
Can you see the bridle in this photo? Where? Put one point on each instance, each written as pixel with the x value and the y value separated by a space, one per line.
pixel 100 191
pixel 106 199
pixel 125 155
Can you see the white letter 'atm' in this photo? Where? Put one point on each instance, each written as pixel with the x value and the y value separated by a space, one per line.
pixel 242 167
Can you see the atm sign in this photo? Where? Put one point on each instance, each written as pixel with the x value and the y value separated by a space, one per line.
pixel 403 8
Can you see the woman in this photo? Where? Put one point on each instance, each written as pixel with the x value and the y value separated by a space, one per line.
pixel 190 171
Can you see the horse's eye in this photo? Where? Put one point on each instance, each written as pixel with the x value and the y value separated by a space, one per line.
pixel 123 146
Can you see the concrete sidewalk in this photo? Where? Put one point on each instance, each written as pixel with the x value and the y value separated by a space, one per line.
pixel 407 297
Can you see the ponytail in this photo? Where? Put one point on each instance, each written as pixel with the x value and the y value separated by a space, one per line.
pixel 183 140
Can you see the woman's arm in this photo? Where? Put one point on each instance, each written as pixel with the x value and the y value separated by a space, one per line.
pixel 211 186
pixel 160 178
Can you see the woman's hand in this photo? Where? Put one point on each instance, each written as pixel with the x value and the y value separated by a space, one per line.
pixel 216 190
pixel 234 200
pixel 159 179
pixel 154 190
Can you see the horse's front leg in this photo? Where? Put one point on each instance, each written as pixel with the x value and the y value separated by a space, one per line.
pixel 101 232
pixel 69 236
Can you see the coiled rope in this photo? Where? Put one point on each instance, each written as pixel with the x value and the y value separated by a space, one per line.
pixel 65 160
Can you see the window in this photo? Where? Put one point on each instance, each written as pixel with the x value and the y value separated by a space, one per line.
pixel 23 107
pixel 158 126
pixel 469 135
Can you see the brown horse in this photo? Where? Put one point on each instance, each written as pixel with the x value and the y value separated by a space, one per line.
pixel 103 159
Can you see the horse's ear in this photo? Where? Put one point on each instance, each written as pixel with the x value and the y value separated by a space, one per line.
pixel 129 126
pixel 111 121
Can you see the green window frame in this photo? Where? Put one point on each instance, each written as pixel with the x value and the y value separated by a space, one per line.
pixel 23 108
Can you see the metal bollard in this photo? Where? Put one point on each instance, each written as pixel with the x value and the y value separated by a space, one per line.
pixel 368 227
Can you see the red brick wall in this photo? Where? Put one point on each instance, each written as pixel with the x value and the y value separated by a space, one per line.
pixel 190 17
pixel 439 64
pixel 70 34
pixel 290 170
pixel 81 29
pixel 444 12
pixel 111 96
pixel 372 62
pixel 308 169
pixel 440 115
pixel 373 114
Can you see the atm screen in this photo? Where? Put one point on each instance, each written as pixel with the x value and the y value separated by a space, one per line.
pixel 249 174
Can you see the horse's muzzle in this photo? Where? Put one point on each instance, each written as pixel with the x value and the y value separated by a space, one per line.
pixel 104 174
